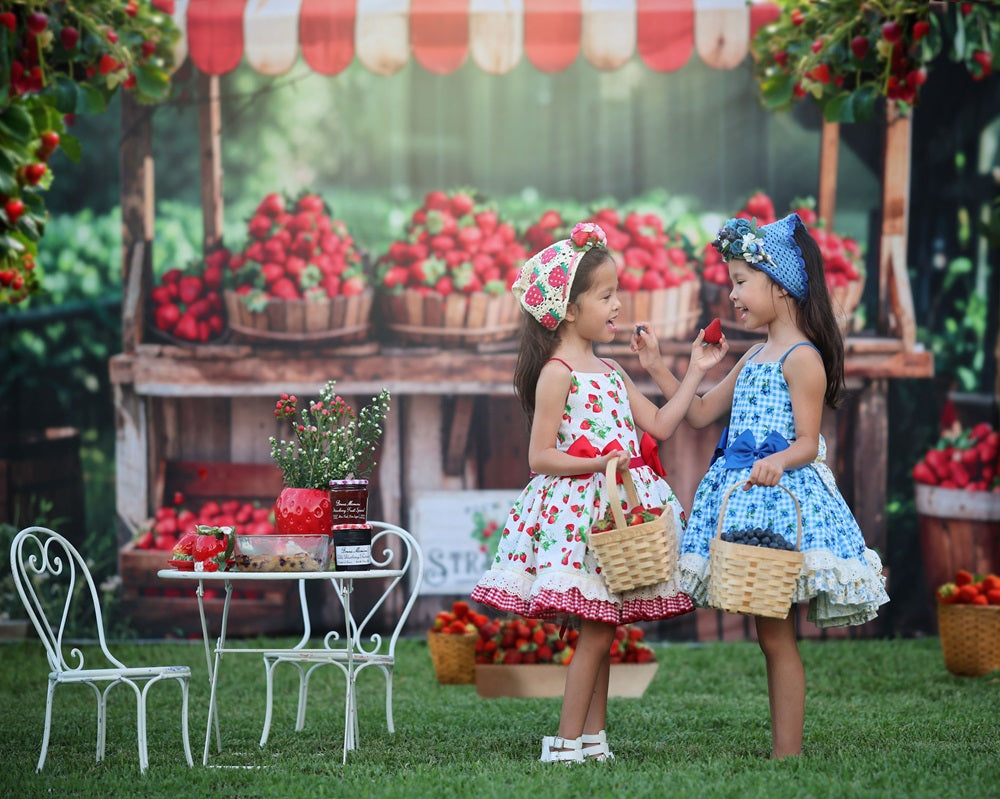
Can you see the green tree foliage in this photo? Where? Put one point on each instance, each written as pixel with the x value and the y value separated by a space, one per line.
pixel 60 59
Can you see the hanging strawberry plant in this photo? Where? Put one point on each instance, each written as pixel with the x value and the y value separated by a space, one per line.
pixel 58 59
pixel 846 53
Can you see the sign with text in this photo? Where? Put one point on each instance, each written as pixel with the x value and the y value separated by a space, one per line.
pixel 458 532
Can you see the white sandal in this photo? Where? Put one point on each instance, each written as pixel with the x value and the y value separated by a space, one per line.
pixel 595 747
pixel 561 750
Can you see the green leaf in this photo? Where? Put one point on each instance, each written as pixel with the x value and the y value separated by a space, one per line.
pixel 863 103
pixel 839 109
pixel 16 123
pixel 776 91
pixel 66 93
pixel 153 83
pixel 90 100
pixel 70 145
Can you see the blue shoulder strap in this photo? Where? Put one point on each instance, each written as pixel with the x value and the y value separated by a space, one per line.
pixel 807 343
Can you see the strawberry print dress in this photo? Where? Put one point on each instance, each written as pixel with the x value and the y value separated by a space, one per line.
pixel 841 577
pixel 543 567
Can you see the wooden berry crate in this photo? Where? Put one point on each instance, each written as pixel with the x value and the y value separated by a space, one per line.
pixel 454 320
pixel 158 608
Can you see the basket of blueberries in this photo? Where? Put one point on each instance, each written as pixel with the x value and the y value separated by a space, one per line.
pixel 754 570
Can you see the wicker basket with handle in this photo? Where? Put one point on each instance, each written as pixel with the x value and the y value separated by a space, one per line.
pixel 751 579
pixel 637 556
pixel 453 656
pixel 970 638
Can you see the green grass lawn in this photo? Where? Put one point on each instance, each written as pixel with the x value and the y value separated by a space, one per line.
pixel 883 719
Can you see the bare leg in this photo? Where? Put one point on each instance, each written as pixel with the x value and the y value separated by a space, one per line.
pixel 597 715
pixel 786 684
pixel 586 694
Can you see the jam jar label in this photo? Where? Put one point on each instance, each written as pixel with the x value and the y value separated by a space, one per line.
pixel 349 501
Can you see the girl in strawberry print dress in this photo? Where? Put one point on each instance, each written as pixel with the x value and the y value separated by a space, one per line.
pixel 585 413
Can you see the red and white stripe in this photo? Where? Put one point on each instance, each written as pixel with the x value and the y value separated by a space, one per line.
pixel 442 35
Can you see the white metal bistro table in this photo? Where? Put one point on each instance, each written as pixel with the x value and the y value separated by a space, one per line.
pixel 400 566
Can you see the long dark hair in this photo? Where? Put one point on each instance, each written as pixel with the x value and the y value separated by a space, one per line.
pixel 816 318
pixel 538 343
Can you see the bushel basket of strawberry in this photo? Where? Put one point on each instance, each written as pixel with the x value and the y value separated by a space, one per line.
pixel 968 612
pixel 448 282
pixel 452 643
pixel 300 276
pixel 843 266
pixel 754 571
pixel 657 281
pixel 634 552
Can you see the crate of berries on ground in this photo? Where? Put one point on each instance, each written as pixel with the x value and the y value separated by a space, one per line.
pixel 521 657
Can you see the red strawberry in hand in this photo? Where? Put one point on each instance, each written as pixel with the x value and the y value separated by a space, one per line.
pixel 713 333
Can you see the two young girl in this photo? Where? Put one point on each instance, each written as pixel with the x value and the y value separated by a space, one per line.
pixel 585 413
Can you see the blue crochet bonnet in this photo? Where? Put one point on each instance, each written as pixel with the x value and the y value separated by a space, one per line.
pixel 771 248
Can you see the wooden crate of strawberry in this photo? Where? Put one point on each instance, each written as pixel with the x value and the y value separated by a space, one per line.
pixel 192 493
pixel 448 282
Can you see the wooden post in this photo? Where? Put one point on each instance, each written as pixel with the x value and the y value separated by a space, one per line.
pixel 829 150
pixel 894 293
pixel 871 464
pixel 210 146
pixel 136 191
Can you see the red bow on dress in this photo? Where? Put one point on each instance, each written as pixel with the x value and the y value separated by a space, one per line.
pixel 649 453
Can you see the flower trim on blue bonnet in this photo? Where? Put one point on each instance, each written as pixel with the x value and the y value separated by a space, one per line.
pixel 771 248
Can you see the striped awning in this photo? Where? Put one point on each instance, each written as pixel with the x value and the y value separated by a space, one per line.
pixel 442 35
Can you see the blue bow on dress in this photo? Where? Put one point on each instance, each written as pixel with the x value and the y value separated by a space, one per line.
pixel 744 450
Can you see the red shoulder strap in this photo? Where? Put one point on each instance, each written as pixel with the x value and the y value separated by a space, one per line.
pixel 560 360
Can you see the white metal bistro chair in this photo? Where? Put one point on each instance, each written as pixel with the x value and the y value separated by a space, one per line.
pixel 37 557
pixel 404 568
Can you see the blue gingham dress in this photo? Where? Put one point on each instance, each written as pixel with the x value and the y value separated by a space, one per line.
pixel 841 577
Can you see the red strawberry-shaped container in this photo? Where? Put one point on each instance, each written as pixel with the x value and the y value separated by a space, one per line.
pixel 213 549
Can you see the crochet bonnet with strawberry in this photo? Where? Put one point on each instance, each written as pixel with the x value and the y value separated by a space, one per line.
pixel 771 248
pixel 543 285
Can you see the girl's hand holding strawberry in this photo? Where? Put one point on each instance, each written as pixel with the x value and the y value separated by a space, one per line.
pixel 705 356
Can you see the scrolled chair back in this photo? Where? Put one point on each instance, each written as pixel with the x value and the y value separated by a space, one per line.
pixel 51 577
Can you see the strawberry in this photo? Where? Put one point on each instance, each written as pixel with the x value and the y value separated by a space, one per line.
pixel 979 599
pixel 966 594
pixel 14 209
pixel 145 540
pixel 713 333
pixel 993 596
pixel 963 577
pixel 923 473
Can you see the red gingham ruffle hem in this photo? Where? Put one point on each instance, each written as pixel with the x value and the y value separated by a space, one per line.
pixel 555 604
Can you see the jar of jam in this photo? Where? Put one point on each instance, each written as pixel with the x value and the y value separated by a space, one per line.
pixel 352 547
pixel 349 501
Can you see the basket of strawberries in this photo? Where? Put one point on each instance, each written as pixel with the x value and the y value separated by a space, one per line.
pixel 300 276
pixel 657 280
pixel 452 642
pixel 636 551
pixel 843 266
pixel 968 612
pixel 448 281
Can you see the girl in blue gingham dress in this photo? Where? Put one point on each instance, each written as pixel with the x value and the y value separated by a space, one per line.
pixel 775 397
pixel 841 578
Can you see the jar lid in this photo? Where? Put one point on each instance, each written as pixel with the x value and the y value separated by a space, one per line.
pixel 356 526
pixel 345 483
